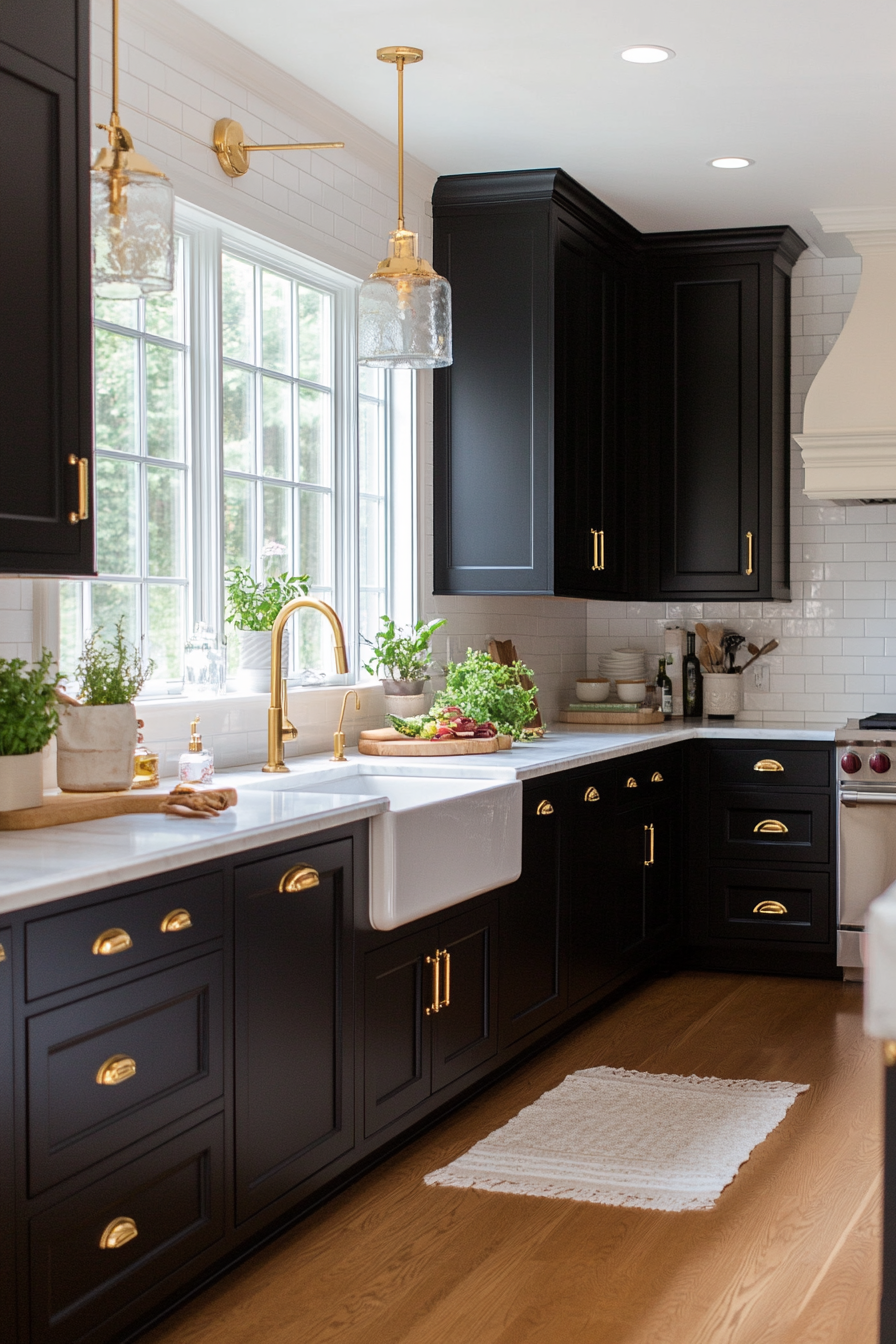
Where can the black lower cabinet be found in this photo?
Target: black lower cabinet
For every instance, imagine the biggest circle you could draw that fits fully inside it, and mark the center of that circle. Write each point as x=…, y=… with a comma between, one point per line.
x=429, y=1012
x=293, y=1093
x=589, y=875
x=533, y=920
x=7, y=1157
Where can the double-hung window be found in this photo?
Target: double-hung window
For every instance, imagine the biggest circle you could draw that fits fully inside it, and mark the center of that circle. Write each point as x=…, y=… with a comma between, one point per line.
x=233, y=428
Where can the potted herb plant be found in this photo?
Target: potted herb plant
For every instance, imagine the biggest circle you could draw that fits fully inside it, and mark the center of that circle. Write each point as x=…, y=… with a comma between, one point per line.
x=404, y=654
x=490, y=691
x=28, y=719
x=97, y=737
x=252, y=607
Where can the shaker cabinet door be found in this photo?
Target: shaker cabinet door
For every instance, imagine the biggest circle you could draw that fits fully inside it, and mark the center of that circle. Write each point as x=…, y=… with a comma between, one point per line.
x=465, y=1030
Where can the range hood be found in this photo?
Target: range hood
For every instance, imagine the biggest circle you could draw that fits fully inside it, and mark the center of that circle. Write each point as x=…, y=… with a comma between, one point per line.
x=849, y=423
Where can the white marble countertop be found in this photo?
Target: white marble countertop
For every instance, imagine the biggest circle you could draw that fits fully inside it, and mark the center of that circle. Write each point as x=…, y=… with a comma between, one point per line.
x=45, y=865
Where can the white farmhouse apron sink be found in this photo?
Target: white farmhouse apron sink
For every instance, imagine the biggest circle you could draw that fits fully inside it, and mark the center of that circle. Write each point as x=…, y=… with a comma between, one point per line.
x=442, y=840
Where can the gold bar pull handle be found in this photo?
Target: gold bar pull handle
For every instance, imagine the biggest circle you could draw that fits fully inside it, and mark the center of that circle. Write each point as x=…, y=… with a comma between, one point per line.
x=81, y=464
x=446, y=986
x=649, y=840
x=890, y=1053
x=770, y=827
x=110, y=942
x=117, y=1069
x=299, y=879
x=597, y=562
x=749, y=569
x=436, y=1004
x=118, y=1233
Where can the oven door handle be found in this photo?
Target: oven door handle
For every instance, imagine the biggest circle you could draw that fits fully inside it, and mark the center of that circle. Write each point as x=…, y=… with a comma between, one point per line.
x=851, y=797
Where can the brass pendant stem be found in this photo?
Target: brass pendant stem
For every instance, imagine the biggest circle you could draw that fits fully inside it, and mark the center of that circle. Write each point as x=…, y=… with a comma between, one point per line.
x=114, y=62
x=400, y=65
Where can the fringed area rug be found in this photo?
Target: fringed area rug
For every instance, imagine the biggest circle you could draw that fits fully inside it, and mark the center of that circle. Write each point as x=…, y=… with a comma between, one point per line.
x=636, y=1140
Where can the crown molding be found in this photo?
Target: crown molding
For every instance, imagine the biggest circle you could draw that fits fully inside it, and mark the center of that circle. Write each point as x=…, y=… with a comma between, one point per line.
x=858, y=219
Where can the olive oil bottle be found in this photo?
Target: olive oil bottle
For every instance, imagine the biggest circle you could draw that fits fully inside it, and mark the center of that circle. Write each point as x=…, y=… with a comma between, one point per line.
x=664, y=690
x=692, y=680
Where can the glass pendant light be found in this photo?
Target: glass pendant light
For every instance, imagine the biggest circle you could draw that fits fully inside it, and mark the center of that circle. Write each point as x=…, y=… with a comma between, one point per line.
x=132, y=209
x=404, y=308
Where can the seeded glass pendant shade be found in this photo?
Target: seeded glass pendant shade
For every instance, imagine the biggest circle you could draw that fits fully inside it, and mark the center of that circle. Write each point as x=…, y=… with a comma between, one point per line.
x=132, y=212
x=404, y=307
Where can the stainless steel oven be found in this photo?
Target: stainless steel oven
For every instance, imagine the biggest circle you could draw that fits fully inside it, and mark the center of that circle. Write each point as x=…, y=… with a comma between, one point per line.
x=866, y=769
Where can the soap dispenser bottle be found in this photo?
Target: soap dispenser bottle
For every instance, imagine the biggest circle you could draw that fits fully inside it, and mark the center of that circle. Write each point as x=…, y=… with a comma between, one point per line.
x=197, y=764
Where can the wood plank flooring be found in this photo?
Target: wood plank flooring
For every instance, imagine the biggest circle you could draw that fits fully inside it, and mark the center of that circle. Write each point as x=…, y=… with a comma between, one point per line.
x=789, y=1255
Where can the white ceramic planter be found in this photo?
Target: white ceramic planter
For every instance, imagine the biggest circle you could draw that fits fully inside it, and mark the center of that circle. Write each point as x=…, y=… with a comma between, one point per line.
x=254, y=671
x=95, y=748
x=21, y=781
x=405, y=706
x=723, y=694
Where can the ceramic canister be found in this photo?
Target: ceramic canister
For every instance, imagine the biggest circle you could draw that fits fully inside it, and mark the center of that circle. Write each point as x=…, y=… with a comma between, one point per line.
x=722, y=694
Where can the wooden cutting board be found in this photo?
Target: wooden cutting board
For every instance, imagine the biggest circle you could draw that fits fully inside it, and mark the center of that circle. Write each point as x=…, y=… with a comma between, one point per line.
x=637, y=717
x=59, y=809
x=389, y=742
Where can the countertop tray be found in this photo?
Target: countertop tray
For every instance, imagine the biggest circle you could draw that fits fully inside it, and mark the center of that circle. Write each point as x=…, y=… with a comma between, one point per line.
x=625, y=718
x=389, y=742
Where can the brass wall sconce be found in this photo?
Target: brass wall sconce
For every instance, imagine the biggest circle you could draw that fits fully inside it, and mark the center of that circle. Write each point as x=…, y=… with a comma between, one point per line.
x=233, y=153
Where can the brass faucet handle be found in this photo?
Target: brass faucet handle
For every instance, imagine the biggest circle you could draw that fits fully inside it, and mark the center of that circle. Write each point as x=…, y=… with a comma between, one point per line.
x=289, y=732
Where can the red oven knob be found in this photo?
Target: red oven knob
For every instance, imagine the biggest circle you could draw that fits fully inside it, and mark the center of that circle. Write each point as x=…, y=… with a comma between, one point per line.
x=851, y=764
x=879, y=762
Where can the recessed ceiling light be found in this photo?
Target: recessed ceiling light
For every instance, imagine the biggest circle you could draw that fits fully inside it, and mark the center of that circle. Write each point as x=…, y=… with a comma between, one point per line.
x=647, y=55
x=731, y=163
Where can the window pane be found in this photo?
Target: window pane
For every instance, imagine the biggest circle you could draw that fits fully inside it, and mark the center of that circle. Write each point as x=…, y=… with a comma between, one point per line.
x=370, y=610
x=164, y=402
x=112, y=600
x=371, y=540
x=276, y=322
x=277, y=417
x=239, y=529
x=276, y=548
x=120, y=312
x=238, y=308
x=314, y=336
x=117, y=494
x=314, y=641
x=314, y=437
x=166, y=630
x=370, y=382
x=371, y=446
x=116, y=389
x=314, y=536
x=165, y=503
x=71, y=636
x=163, y=313
x=239, y=438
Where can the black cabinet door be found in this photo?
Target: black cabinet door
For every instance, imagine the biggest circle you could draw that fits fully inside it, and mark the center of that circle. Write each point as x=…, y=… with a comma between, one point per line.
x=588, y=869
x=465, y=1030
x=533, y=922
x=661, y=875
x=294, y=1111
x=398, y=989
x=7, y=1186
x=45, y=390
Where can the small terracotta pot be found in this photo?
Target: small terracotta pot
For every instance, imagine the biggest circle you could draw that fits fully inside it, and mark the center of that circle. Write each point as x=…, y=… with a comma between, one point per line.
x=21, y=781
x=95, y=748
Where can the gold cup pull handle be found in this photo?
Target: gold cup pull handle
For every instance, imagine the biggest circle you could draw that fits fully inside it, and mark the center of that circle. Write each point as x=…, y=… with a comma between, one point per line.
x=768, y=766
x=544, y=809
x=2, y=952
x=176, y=921
x=300, y=879
x=592, y=795
x=117, y=1069
x=770, y=827
x=631, y=782
x=749, y=569
x=111, y=942
x=118, y=1233
x=769, y=908
x=436, y=1004
x=656, y=778
x=81, y=464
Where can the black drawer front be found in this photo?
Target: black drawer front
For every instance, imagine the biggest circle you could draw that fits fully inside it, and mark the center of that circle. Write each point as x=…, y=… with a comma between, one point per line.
x=175, y=1197
x=788, y=828
x=169, y=1025
x=768, y=765
x=59, y=949
x=770, y=907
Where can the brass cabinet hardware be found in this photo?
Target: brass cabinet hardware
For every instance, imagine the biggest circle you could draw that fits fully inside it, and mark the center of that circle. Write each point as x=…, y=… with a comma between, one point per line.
x=118, y=1233
x=649, y=839
x=592, y=795
x=544, y=809
x=631, y=782
x=446, y=988
x=656, y=778
x=2, y=952
x=890, y=1053
x=175, y=921
x=749, y=569
x=110, y=942
x=770, y=827
x=299, y=879
x=769, y=908
x=597, y=562
x=769, y=766
x=435, y=962
x=117, y=1069
x=81, y=464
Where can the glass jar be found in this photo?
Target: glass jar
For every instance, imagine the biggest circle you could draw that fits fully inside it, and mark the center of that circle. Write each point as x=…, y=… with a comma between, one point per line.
x=204, y=663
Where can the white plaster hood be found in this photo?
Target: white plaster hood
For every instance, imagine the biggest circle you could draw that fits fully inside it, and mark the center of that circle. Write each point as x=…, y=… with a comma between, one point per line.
x=849, y=423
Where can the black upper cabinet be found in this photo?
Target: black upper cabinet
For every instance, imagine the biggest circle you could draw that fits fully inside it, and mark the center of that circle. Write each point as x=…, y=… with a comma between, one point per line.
x=529, y=420
x=45, y=392
x=716, y=323
x=615, y=423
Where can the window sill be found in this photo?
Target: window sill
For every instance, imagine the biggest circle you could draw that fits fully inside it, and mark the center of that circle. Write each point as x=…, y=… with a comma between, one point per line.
x=234, y=698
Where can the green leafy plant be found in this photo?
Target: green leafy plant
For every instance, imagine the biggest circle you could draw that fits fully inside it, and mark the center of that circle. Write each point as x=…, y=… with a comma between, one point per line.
x=486, y=690
x=253, y=604
x=110, y=672
x=403, y=654
x=28, y=712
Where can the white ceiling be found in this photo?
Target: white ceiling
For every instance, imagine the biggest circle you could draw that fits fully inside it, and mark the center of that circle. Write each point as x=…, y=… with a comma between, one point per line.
x=806, y=88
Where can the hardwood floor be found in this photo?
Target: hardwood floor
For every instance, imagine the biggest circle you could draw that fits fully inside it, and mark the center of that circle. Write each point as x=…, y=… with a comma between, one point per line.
x=789, y=1255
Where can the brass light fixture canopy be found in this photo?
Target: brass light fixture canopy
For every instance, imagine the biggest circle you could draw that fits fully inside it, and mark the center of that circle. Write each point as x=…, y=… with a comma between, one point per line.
x=132, y=211
x=404, y=307
x=233, y=153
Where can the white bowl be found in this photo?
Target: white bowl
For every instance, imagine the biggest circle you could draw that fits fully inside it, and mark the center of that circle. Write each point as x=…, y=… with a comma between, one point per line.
x=592, y=689
x=631, y=692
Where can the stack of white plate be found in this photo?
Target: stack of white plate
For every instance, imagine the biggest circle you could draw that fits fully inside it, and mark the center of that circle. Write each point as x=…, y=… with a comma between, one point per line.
x=623, y=664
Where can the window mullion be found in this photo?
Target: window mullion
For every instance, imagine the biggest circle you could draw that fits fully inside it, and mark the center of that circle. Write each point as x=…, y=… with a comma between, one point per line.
x=205, y=556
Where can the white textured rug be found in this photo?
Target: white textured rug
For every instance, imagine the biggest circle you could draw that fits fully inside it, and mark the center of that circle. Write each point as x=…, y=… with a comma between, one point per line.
x=637, y=1140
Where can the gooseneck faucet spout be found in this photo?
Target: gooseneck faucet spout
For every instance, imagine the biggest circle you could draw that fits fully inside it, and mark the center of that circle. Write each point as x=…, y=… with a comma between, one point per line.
x=275, y=763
